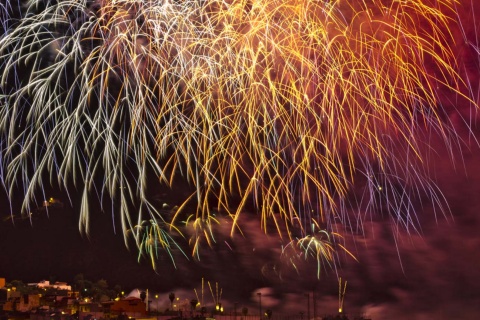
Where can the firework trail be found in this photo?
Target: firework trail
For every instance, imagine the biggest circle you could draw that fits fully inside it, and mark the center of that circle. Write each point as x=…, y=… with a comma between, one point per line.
x=300, y=111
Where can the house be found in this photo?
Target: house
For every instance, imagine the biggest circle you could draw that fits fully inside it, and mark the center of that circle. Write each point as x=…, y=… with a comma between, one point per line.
x=88, y=310
x=45, y=284
x=3, y=298
x=27, y=302
x=67, y=305
x=18, y=302
x=131, y=307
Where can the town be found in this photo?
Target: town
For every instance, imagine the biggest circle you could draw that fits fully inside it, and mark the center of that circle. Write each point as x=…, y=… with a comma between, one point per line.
x=87, y=300
x=58, y=301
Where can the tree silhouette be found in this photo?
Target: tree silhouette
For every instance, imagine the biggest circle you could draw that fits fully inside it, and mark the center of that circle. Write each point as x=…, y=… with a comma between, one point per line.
x=171, y=296
x=193, y=304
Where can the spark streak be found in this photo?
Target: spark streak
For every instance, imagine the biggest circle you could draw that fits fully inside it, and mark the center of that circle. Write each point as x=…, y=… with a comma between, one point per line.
x=303, y=110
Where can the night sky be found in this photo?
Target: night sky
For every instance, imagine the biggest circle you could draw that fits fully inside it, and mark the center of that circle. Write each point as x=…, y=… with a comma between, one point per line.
x=429, y=273
x=434, y=274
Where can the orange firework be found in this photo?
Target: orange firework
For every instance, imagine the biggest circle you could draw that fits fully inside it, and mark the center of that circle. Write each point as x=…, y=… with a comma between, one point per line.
x=288, y=108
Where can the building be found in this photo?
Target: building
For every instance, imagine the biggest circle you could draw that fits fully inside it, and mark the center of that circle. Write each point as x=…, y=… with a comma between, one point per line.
x=18, y=302
x=132, y=307
x=45, y=284
x=28, y=302
x=3, y=298
x=88, y=310
x=68, y=305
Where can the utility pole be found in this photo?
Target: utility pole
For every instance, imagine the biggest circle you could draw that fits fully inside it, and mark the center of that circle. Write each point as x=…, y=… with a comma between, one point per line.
x=314, y=305
x=259, y=294
x=308, y=305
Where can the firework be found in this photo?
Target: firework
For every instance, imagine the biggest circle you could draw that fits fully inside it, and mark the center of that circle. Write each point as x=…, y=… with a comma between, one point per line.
x=300, y=111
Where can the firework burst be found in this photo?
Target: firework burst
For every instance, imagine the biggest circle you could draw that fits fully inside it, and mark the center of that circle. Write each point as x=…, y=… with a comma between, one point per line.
x=300, y=111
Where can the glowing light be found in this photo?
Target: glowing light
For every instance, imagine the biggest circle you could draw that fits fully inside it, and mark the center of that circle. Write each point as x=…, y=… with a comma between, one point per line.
x=300, y=107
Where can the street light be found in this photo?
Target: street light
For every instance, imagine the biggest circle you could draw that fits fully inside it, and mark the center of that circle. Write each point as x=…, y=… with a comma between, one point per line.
x=156, y=302
x=219, y=308
x=259, y=294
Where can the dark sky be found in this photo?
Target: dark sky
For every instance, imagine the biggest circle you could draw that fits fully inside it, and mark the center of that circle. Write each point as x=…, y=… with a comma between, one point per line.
x=434, y=274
